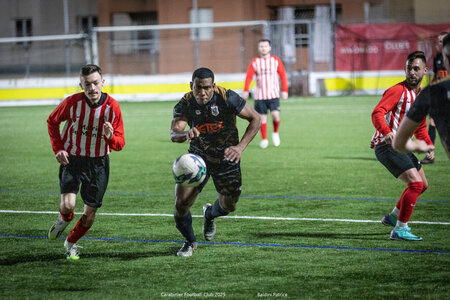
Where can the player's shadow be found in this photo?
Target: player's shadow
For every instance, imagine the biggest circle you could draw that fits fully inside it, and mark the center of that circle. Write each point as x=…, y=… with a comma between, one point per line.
x=45, y=257
x=350, y=158
x=324, y=235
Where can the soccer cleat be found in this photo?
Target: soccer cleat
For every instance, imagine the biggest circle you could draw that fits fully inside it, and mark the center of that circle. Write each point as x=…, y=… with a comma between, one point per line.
x=276, y=139
x=389, y=220
x=187, y=249
x=209, y=227
x=404, y=234
x=264, y=144
x=72, y=250
x=57, y=228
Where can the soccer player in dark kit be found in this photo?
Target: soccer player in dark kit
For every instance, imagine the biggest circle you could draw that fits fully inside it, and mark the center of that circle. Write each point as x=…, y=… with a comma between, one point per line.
x=93, y=126
x=210, y=111
x=435, y=101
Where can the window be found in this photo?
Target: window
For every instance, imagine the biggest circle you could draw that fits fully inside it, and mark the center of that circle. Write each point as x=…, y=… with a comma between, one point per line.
x=301, y=30
x=205, y=15
x=86, y=23
x=137, y=41
x=23, y=28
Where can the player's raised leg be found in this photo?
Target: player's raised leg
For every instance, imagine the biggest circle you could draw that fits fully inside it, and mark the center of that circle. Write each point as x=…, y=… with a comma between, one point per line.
x=66, y=208
x=222, y=207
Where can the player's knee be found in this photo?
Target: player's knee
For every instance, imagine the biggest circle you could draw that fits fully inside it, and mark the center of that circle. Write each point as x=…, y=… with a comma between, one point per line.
x=67, y=207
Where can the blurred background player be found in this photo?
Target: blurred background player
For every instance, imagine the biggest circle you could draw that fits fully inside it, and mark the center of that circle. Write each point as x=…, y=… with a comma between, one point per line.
x=210, y=111
x=435, y=101
x=439, y=71
x=386, y=117
x=93, y=126
x=267, y=68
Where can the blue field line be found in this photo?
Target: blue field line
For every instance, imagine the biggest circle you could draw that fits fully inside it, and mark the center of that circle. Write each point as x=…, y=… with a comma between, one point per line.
x=242, y=196
x=243, y=244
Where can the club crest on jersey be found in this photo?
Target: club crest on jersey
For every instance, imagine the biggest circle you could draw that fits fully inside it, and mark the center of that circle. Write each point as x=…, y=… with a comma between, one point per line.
x=214, y=110
x=197, y=112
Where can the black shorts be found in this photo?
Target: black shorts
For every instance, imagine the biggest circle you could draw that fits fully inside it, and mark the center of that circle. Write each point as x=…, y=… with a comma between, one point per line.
x=226, y=176
x=261, y=106
x=394, y=161
x=91, y=172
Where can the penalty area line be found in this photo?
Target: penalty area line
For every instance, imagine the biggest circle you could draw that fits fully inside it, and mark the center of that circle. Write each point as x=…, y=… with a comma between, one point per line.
x=244, y=244
x=224, y=217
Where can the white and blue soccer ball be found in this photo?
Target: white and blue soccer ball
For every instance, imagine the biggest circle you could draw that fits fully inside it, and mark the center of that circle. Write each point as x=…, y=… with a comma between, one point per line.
x=189, y=170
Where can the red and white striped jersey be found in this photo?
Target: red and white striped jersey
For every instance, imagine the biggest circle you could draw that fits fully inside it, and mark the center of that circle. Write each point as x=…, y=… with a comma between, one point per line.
x=266, y=71
x=82, y=134
x=391, y=109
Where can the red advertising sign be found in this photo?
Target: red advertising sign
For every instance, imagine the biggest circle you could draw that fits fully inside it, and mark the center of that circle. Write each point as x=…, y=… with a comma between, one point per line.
x=370, y=47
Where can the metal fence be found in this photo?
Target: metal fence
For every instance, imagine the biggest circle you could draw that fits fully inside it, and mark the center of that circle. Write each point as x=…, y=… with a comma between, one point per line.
x=158, y=49
x=56, y=55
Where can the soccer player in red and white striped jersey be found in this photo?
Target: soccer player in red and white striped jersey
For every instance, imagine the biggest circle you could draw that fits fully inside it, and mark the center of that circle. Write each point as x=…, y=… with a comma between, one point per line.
x=93, y=126
x=267, y=69
x=386, y=117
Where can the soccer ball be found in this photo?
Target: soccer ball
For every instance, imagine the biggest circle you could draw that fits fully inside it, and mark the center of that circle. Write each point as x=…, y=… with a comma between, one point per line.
x=189, y=170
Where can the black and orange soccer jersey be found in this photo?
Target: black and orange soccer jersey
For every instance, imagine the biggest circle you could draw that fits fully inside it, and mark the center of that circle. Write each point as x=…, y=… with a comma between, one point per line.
x=435, y=101
x=216, y=121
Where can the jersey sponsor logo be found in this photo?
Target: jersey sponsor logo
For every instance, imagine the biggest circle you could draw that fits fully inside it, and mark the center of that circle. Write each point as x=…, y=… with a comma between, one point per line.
x=214, y=110
x=210, y=127
x=197, y=112
x=87, y=130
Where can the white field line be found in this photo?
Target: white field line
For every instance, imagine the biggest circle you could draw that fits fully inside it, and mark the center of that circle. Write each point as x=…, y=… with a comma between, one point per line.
x=225, y=217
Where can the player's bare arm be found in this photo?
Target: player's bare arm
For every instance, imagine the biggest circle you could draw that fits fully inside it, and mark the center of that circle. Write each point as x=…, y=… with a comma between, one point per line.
x=234, y=153
x=178, y=133
x=402, y=141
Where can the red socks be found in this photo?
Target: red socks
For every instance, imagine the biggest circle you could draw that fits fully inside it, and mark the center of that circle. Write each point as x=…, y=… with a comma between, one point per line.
x=408, y=200
x=78, y=232
x=263, y=130
x=276, y=125
x=67, y=217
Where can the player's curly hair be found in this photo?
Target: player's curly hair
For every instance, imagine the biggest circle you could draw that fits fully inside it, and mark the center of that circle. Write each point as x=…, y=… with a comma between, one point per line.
x=202, y=73
x=89, y=69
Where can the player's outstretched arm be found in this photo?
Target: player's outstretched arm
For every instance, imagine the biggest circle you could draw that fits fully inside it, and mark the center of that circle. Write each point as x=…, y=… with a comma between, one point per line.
x=402, y=140
x=248, y=113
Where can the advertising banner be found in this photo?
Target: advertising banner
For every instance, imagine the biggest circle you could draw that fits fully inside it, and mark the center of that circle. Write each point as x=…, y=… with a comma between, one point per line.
x=370, y=47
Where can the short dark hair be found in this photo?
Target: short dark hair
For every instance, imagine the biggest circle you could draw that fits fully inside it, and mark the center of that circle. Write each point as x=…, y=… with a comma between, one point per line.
x=89, y=69
x=446, y=40
x=265, y=40
x=202, y=73
x=417, y=54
